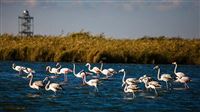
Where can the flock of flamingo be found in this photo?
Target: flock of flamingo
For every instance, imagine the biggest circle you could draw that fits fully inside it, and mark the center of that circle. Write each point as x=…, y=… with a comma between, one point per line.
x=129, y=85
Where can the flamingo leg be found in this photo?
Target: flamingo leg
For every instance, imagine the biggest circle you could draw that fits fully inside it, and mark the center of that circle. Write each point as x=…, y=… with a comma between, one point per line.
x=107, y=77
x=156, y=92
x=134, y=95
x=123, y=84
x=170, y=84
x=98, y=76
x=96, y=89
x=83, y=81
x=65, y=78
x=20, y=72
x=55, y=93
x=167, y=85
x=186, y=86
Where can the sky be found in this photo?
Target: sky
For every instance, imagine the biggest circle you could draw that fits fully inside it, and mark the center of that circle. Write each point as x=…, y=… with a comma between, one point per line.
x=113, y=18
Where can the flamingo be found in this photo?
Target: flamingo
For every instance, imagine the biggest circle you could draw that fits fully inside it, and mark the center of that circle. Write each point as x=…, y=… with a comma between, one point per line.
x=107, y=72
x=152, y=84
x=17, y=68
x=36, y=84
x=145, y=77
x=80, y=74
x=64, y=71
x=95, y=70
x=53, y=70
x=28, y=70
x=53, y=87
x=91, y=82
x=183, y=80
x=131, y=89
x=112, y=70
x=178, y=74
x=164, y=77
x=128, y=81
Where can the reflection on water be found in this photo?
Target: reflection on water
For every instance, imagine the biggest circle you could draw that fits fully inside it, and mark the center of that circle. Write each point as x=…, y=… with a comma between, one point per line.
x=16, y=95
x=33, y=95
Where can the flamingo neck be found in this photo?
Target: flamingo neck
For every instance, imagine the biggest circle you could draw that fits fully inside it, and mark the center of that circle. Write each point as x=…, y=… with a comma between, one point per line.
x=74, y=70
x=158, y=74
x=89, y=67
x=59, y=67
x=84, y=79
x=46, y=87
x=49, y=69
x=46, y=78
x=123, y=79
x=175, y=68
x=145, y=84
x=30, y=82
x=125, y=88
x=13, y=66
x=101, y=67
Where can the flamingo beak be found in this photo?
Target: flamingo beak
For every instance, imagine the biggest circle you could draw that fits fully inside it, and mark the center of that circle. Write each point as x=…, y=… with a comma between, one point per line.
x=70, y=70
x=155, y=67
x=57, y=64
x=88, y=73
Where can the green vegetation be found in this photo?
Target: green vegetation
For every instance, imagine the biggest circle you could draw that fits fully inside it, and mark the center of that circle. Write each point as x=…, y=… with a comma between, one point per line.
x=85, y=47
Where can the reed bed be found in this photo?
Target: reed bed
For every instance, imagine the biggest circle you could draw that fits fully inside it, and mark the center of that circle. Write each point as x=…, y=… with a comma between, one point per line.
x=85, y=47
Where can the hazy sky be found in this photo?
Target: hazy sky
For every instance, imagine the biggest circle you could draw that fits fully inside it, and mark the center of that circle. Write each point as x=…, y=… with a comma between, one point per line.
x=115, y=18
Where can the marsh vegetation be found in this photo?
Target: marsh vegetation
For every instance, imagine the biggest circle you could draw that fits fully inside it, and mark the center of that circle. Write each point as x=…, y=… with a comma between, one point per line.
x=86, y=47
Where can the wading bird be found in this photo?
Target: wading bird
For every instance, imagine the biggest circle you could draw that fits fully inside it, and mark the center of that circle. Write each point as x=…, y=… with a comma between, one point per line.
x=91, y=82
x=131, y=89
x=53, y=70
x=80, y=74
x=28, y=70
x=152, y=85
x=53, y=87
x=64, y=71
x=107, y=72
x=95, y=70
x=183, y=80
x=17, y=68
x=128, y=81
x=36, y=84
x=164, y=77
x=178, y=74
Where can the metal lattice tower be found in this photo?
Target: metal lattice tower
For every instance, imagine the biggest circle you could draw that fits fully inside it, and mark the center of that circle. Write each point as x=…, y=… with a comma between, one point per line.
x=25, y=24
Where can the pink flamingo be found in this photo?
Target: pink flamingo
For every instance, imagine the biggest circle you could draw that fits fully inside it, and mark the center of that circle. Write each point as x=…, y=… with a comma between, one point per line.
x=95, y=70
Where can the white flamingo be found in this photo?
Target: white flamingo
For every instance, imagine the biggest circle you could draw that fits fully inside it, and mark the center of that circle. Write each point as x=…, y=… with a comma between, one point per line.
x=141, y=79
x=107, y=72
x=164, y=77
x=17, y=68
x=95, y=70
x=80, y=74
x=53, y=70
x=178, y=74
x=112, y=70
x=128, y=81
x=131, y=89
x=36, y=84
x=152, y=85
x=28, y=70
x=64, y=71
x=53, y=87
x=183, y=80
x=91, y=82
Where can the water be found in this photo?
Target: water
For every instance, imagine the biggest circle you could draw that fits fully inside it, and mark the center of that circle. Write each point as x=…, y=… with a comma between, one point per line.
x=16, y=95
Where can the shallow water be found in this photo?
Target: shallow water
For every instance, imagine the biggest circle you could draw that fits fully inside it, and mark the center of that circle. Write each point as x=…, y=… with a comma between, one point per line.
x=16, y=95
